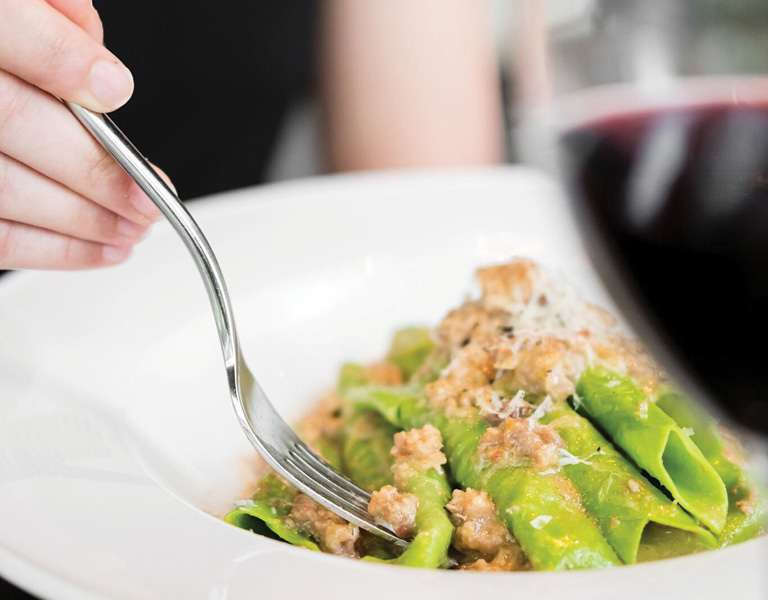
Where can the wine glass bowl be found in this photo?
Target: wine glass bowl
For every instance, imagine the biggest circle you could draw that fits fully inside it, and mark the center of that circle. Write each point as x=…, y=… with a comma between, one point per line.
x=654, y=115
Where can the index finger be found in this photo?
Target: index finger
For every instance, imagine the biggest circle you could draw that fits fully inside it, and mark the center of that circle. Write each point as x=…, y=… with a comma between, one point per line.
x=42, y=46
x=83, y=14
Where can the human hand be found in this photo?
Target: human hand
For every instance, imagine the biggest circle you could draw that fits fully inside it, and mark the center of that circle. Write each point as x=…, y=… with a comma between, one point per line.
x=64, y=202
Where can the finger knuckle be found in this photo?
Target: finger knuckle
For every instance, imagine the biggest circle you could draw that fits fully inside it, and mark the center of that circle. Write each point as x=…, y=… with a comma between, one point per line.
x=102, y=172
x=10, y=183
x=6, y=241
x=56, y=47
x=83, y=10
x=14, y=99
x=80, y=218
x=92, y=15
x=93, y=222
x=95, y=26
x=4, y=179
x=107, y=227
x=76, y=253
x=68, y=253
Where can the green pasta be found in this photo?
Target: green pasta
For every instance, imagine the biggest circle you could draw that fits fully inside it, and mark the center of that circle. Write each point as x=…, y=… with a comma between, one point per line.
x=621, y=500
x=748, y=506
x=582, y=468
x=745, y=522
x=331, y=451
x=350, y=375
x=410, y=348
x=429, y=548
x=366, y=438
x=552, y=531
x=267, y=511
x=706, y=434
x=366, y=445
x=667, y=542
x=656, y=443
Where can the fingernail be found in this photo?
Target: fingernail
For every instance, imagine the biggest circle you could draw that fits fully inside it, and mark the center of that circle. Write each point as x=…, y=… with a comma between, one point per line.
x=143, y=204
x=130, y=229
x=111, y=83
x=115, y=254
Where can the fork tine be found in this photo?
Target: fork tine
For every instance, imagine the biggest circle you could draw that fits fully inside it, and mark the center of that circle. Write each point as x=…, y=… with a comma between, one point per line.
x=340, y=490
x=331, y=500
x=294, y=443
x=325, y=469
x=361, y=519
x=329, y=491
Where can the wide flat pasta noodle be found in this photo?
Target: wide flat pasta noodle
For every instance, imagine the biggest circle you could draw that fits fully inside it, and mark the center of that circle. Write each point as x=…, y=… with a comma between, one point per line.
x=655, y=443
x=614, y=492
x=269, y=508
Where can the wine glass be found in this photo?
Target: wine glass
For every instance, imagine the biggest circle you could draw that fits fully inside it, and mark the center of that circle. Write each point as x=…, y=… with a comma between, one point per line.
x=654, y=115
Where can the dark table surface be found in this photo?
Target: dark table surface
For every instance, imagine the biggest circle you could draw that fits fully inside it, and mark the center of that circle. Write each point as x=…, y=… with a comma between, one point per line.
x=9, y=591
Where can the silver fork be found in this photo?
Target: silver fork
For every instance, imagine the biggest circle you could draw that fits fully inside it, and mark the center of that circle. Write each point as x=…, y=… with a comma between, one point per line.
x=263, y=426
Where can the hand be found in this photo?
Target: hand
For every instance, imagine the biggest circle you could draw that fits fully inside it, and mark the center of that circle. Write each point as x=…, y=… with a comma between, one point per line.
x=64, y=202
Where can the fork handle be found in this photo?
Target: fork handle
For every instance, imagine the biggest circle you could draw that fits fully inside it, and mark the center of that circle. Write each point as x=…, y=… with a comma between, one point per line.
x=120, y=147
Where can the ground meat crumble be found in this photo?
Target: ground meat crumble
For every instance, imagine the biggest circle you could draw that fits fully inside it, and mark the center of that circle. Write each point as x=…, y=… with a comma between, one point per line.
x=479, y=530
x=416, y=450
x=497, y=408
x=519, y=442
x=384, y=373
x=510, y=557
x=528, y=331
x=481, y=535
x=333, y=534
x=546, y=365
x=747, y=505
x=396, y=509
x=323, y=422
x=509, y=285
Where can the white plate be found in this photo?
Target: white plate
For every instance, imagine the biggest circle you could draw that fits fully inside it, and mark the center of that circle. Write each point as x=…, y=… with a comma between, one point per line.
x=116, y=434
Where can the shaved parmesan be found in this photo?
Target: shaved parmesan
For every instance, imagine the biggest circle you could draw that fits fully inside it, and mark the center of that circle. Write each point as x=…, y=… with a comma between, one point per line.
x=642, y=410
x=502, y=408
x=540, y=521
x=576, y=400
x=542, y=409
x=566, y=458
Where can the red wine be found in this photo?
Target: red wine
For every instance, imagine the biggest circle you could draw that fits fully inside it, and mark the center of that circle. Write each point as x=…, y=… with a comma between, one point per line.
x=674, y=201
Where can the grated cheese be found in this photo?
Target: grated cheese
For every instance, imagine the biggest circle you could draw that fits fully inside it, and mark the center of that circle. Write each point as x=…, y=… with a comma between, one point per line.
x=540, y=521
x=542, y=409
x=642, y=410
x=576, y=400
x=566, y=458
x=504, y=407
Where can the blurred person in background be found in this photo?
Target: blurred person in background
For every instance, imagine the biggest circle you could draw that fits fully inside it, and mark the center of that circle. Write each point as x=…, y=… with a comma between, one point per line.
x=403, y=83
